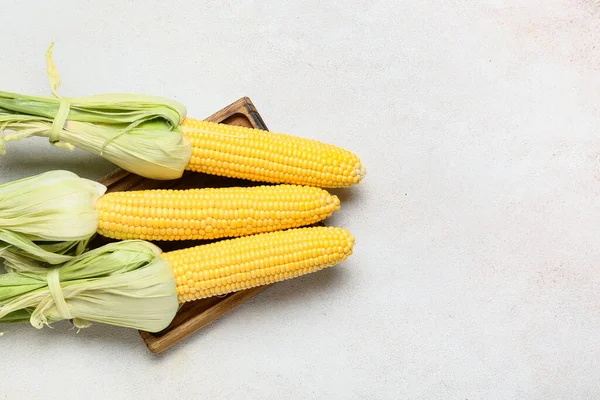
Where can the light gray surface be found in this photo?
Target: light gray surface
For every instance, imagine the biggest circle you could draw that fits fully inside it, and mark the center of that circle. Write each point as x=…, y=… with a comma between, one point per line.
x=476, y=269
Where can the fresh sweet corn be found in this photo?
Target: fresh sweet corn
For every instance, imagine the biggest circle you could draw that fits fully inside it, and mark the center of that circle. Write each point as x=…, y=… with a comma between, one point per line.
x=242, y=263
x=258, y=155
x=152, y=137
x=132, y=283
x=211, y=213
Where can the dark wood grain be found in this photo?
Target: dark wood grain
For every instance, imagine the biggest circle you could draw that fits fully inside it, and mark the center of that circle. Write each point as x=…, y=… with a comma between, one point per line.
x=197, y=314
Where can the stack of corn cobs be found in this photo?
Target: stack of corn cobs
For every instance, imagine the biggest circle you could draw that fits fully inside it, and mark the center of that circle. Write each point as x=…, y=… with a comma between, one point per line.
x=266, y=232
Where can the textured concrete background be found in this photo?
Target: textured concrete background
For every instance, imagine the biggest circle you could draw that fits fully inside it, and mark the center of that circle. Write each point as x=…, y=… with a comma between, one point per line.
x=476, y=273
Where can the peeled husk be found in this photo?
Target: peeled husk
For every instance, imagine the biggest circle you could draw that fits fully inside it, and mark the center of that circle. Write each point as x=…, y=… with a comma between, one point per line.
x=139, y=133
x=49, y=217
x=124, y=283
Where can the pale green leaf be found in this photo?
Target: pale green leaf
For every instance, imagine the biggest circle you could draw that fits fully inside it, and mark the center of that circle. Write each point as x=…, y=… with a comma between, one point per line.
x=139, y=133
x=50, y=216
x=125, y=283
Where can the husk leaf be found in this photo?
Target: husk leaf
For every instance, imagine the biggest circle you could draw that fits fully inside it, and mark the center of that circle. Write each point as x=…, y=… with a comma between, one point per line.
x=50, y=216
x=139, y=133
x=124, y=283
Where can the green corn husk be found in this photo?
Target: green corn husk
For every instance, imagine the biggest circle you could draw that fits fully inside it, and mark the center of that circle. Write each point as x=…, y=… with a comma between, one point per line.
x=49, y=217
x=136, y=132
x=124, y=283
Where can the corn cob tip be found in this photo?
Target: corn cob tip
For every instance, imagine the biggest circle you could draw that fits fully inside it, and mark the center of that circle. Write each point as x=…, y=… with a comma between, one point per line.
x=360, y=173
x=336, y=202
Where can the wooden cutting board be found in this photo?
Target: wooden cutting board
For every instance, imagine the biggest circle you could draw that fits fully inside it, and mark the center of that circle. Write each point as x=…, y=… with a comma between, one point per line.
x=194, y=315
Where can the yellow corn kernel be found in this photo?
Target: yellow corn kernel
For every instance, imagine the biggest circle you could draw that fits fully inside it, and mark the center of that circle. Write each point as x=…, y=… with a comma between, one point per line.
x=236, y=264
x=257, y=155
x=211, y=213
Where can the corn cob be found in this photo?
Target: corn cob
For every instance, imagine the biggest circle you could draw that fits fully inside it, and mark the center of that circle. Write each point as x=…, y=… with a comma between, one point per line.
x=257, y=155
x=211, y=213
x=132, y=283
x=151, y=137
x=236, y=264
